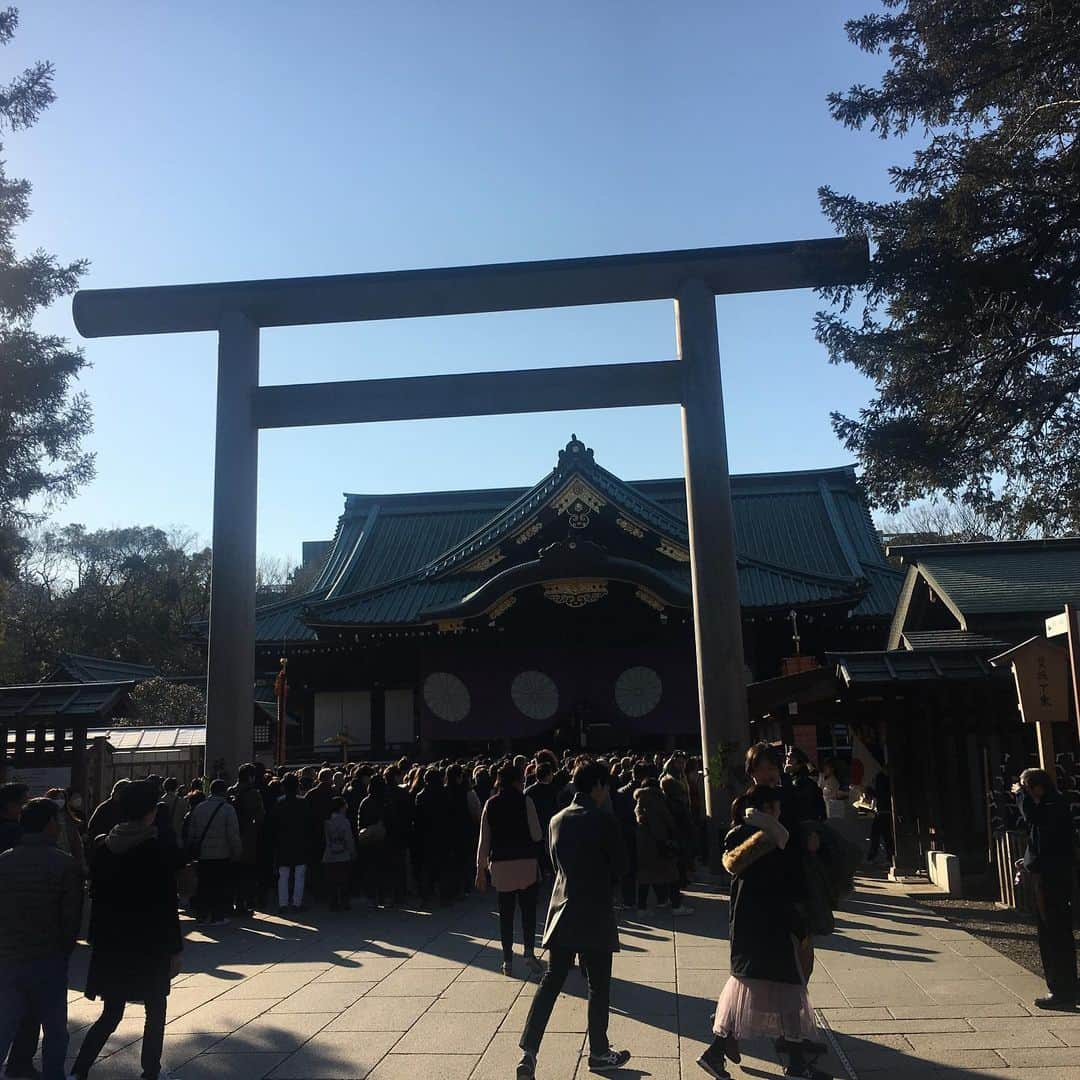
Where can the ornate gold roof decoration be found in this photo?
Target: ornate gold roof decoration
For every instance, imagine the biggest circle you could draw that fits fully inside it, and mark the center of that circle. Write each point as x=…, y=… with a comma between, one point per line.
x=577, y=491
x=502, y=607
x=630, y=527
x=450, y=626
x=575, y=594
x=528, y=532
x=673, y=551
x=650, y=599
x=485, y=562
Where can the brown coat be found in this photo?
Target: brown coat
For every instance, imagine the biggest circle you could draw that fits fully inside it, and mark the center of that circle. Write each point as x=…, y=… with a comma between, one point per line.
x=657, y=838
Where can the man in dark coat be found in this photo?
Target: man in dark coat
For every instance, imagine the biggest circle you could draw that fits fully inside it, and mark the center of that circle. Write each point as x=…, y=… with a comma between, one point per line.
x=41, y=895
x=588, y=855
x=1050, y=859
x=134, y=929
x=107, y=814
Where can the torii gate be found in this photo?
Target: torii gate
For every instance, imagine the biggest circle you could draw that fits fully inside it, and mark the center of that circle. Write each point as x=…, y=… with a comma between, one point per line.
x=238, y=310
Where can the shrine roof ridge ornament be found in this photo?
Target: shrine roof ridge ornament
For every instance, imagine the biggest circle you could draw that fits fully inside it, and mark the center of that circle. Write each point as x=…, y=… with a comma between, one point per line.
x=522, y=286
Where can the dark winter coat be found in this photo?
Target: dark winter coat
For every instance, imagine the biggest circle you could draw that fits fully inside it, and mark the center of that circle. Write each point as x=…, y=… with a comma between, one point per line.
x=677, y=795
x=805, y=799
x=765, y=923
x=432, y=826
x=250, y=814
x=134, y=925
x=41, y=896
x=543, y=797
x=658, y=842
x=588, y=856
x=1051, y=839
x=290, y=831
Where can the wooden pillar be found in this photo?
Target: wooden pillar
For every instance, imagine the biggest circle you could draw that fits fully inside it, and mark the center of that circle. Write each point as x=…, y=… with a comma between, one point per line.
x=908, y=857
x=721, y=668
x=231, y=674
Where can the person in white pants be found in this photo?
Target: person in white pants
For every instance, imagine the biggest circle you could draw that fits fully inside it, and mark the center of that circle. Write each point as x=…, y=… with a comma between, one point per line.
x=290, y=829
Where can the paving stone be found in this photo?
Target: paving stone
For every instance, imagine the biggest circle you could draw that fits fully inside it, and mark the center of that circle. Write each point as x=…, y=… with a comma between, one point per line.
x=1047, y=1020
x=972, y=946
x=361, y=969
x=477, y=998
x=322, y=997
x=444, y=1033
x=659, y=999
x=270, y=984
x=967, y=991
x=231, y=1066
x=559, y=1055
x=413, y=983
x=982, y=1040
x=1027, y=1057
x=219, y=1015
x=702, y=958
x=176, y=1051
x=638, y=1067
x=645, y=970
x=336, y=1055
x=425, y=1067
x=653, y=1037
x=568, y=1015
x=898, y=1027
x=925, y=1012
x=869, y=1012
x=273, y=1033
x=382, y=1014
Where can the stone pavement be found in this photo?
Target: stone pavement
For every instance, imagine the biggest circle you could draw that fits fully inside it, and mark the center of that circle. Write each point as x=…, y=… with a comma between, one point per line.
x=395, y=995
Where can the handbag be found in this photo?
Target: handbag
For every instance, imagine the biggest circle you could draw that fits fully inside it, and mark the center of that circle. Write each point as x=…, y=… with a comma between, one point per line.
x=370, y=835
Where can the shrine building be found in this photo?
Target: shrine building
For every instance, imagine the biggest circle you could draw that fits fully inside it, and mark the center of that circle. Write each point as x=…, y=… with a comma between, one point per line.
x=559, y=614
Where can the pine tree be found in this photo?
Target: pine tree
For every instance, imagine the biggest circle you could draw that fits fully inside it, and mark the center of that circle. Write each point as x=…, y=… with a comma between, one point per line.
x=42, y=421
x=968, y=323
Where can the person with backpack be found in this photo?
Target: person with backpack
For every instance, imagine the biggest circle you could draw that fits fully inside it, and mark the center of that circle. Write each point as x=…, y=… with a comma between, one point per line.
x=214, y=835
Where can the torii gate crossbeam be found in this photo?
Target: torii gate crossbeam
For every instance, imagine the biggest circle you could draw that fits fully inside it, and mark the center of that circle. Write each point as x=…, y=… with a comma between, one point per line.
x=238, y=310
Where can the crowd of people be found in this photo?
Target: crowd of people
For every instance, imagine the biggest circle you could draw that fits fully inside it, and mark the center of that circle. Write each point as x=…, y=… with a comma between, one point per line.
x=611, y=834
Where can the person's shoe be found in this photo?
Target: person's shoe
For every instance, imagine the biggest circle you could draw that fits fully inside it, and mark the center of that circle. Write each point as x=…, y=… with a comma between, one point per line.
x=23, y=1072
x=508, y=967
x=1056, y=1003
x=535, y=966
x=681, y=910
x=608, y=1061
x=731, y=1049
x=663, y=903
x=712, y=1062
x=283, y=909
x=218, y=922
x=526, y=1069
x=807, y=1071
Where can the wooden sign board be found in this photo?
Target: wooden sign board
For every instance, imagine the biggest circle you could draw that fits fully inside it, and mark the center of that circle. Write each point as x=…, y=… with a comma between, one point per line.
x=1057, y=625
x=1042, y=681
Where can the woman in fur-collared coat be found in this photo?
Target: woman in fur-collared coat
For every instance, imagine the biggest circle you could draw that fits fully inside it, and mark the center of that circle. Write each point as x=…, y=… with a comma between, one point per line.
x=766, y=993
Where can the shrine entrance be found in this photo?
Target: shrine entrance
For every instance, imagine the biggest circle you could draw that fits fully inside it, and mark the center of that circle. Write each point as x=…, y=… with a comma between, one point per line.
x=237, y=311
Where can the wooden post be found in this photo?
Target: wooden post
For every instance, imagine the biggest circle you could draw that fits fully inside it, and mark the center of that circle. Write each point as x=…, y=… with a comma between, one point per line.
x=1074, y=670
x=1044, y=737
x=231, y=663
x=721, y=668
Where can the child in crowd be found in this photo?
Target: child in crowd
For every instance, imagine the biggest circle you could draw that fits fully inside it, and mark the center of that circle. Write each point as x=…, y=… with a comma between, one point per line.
x=765, y=996
x=339, y=854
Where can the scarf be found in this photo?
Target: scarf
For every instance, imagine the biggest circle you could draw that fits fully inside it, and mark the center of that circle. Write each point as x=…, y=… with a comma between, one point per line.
x=129, y=834
x=769, y=825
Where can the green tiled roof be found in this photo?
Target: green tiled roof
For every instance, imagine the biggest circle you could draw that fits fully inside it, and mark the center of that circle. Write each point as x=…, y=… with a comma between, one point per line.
x=1001, y=578
x=79, y=668
x=803, y=538
x=67, y=700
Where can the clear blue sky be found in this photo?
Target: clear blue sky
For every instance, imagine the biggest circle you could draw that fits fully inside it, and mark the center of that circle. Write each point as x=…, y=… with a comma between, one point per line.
x=213, y=141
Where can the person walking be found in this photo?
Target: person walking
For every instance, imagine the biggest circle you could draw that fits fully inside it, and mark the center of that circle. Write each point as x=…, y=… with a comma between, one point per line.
x=765, y=995
x=1050, y=860
x=588, y=857
x=510, y=837
x=134, y=935
x=289, y=830
x=41, y=898
x=107, y=813
x=339, y=854
x=175, y=805
x=658, y=850
x=881, y=831
x=214, y=833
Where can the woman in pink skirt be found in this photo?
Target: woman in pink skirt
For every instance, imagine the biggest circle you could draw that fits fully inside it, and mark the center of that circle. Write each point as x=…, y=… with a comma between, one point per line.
x=765, y=996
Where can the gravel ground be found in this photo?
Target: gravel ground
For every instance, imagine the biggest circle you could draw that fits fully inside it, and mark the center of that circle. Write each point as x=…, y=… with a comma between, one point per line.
x=1012, y=933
